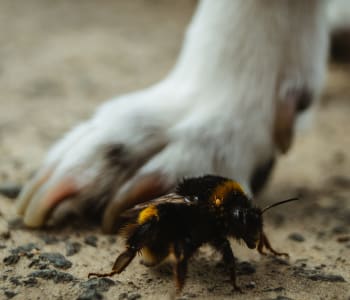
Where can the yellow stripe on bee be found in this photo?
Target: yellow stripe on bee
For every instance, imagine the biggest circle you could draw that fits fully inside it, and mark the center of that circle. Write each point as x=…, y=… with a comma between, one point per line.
x=147, y=213
x=221, y=191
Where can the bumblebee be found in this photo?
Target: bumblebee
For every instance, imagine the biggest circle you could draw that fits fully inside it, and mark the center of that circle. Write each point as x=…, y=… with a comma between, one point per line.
x=202, y=210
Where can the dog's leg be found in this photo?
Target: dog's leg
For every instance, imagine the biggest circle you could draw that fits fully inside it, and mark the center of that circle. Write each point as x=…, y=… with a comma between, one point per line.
x=246, y=69
x=339, y=22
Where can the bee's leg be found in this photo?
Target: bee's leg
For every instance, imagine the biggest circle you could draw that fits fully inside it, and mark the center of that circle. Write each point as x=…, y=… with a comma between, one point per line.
x=180, y=273
x=110, y=274
x=134, y=244
x=224, y=247
x=261, y=246
x=264, y=242
x=182, y=251
x=122, y=261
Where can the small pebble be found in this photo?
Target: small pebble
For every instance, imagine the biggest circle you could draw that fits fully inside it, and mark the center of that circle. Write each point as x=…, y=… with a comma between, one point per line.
x=49, y=239
x=54, y=275
x=3, y=277
x=10, y=190
x=11, y=259
x=39, y=264
x=27, y=250
x=56, y=259
x=340, y=229
x=123, y=296
x=126, y=296
x=16, y=223
x=91, y=240
x=282, y=298
x=280, y=261
x=343, y=239
x=315, y=275
x=134, y=296
x=5, y=235
x=277, y=289
x=327, y=277
x=245, y=268
x=16, y=280
x=9, y=294
x=251, y=285
x=72, y=248
x=112, y=239
x=90, y=295
x=341, y=181
x=188, y=295
x=297, y=237
x=30, y=282
x=303, y=265
x=101, y=284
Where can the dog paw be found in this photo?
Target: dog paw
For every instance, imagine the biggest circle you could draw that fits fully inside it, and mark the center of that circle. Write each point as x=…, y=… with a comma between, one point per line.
x=94, y=161
x=224, y=109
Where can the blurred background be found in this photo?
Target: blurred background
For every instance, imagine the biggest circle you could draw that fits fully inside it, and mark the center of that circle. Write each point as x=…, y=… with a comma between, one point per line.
x=60, y=59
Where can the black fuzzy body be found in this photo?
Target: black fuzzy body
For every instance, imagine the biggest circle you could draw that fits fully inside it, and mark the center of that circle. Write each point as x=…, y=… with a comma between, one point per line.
x=203, y=210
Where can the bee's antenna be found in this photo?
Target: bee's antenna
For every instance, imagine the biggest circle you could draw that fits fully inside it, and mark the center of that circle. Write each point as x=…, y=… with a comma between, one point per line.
x=278, y=203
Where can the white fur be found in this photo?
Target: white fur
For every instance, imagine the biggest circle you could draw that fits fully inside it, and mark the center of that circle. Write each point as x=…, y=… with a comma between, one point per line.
x=215, y=110
x=338, y=14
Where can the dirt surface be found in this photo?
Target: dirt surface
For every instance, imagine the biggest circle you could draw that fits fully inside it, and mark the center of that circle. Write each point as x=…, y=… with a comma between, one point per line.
x=58, y=61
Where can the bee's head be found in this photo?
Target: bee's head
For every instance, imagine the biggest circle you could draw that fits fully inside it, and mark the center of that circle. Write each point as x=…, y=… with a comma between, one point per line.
x=247, y=224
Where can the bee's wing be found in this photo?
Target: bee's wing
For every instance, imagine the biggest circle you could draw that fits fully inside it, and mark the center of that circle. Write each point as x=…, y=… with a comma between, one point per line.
x=169, y=198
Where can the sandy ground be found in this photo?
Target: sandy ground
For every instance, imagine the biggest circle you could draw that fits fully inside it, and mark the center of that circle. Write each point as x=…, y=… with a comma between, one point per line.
x=58, y=61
